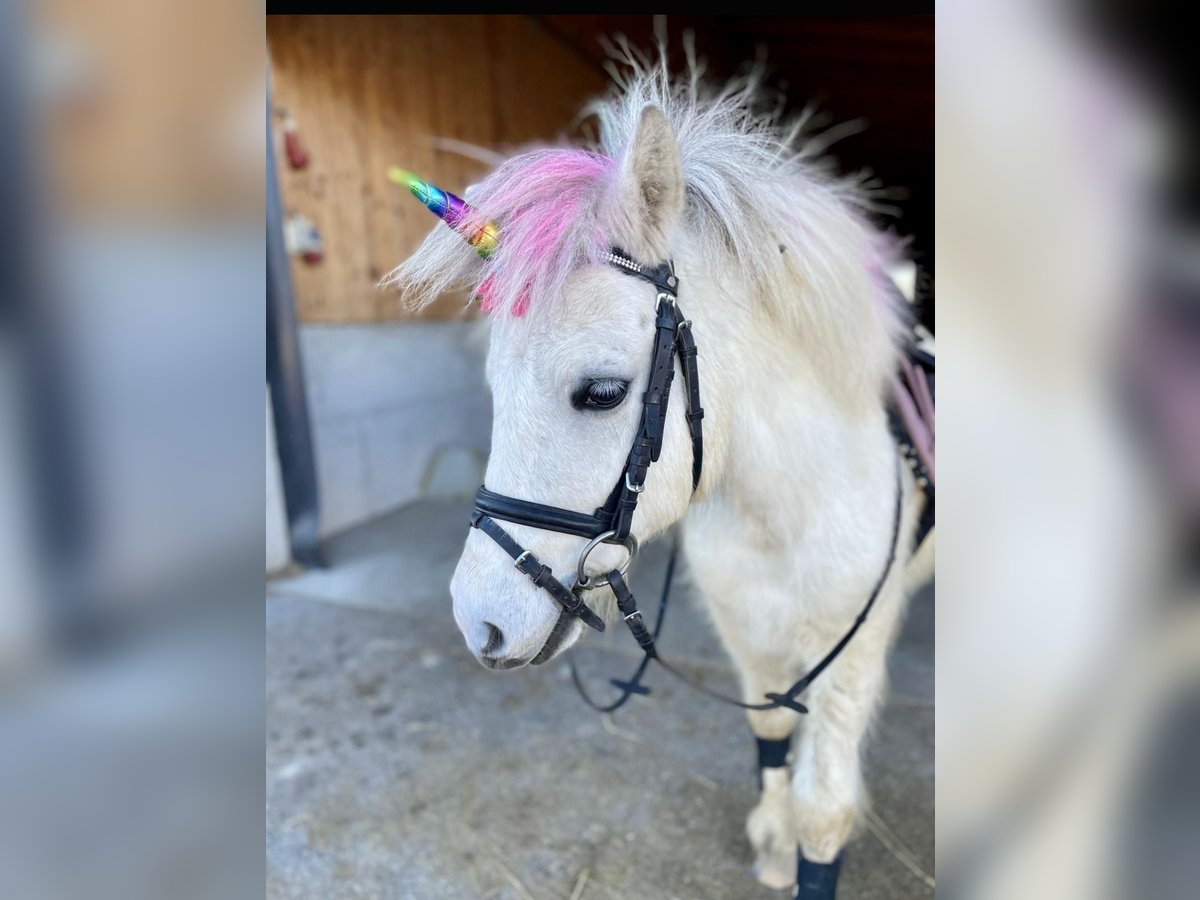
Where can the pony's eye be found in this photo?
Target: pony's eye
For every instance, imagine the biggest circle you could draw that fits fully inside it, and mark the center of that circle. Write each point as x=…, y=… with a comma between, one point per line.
x=600, y=393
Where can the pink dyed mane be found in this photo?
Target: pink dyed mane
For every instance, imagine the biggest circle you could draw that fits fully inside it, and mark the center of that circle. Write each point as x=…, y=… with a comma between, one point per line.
x=544, y=203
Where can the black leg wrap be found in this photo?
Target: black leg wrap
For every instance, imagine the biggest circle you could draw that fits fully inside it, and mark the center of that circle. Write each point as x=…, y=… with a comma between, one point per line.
x=816, y=881
x=772, y=754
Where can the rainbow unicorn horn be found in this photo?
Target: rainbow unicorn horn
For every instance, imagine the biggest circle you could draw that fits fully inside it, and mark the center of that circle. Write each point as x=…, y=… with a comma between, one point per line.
x=480, y=233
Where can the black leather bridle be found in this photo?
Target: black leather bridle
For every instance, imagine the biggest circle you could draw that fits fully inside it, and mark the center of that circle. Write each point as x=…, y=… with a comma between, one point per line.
x=612, y=522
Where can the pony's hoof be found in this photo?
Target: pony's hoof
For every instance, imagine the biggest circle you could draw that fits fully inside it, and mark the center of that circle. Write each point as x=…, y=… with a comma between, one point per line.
x=776, y=871
x=772, y=834
x=816, y=881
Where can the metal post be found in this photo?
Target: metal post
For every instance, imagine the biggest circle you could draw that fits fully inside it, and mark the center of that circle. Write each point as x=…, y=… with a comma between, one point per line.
x=285, y=375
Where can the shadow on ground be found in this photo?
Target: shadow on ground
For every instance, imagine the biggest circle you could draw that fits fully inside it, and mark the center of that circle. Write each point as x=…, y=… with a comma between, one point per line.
x=397, y=767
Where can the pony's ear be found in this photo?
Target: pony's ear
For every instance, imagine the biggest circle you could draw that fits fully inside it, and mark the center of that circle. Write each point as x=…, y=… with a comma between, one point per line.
x=649, y=192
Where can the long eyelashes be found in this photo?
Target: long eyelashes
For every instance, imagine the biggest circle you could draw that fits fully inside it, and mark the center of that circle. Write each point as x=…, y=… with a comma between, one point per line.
x=600, y=393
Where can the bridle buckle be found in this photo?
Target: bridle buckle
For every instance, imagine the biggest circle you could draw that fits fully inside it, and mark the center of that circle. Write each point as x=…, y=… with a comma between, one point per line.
x=635, y=488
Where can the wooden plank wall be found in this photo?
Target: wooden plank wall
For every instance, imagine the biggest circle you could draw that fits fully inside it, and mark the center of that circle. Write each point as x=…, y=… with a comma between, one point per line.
x=368, y=92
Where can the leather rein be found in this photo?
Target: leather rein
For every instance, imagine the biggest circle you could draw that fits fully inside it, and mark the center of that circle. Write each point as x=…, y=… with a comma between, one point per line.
x=612, y=522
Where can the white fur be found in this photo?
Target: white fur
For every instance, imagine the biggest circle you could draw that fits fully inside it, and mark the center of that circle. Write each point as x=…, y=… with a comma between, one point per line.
x=790, y=526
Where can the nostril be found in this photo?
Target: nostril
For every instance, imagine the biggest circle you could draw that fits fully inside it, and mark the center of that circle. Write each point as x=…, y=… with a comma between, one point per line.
x=495, y=637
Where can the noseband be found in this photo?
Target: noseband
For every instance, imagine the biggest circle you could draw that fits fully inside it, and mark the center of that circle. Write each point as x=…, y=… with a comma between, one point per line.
x=612, y=522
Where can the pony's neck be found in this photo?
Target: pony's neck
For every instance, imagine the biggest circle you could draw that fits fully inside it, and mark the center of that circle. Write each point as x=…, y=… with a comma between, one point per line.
x=793, y=366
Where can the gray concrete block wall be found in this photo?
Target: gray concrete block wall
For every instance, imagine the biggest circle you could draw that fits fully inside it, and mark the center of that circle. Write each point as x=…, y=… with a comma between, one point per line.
x=399, y=412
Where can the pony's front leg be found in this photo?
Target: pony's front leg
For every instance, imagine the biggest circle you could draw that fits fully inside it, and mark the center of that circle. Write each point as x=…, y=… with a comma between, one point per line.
x=771, y=826
x=827, y=784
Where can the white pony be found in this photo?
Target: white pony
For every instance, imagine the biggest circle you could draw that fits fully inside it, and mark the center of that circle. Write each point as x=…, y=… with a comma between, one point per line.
x=791, y=525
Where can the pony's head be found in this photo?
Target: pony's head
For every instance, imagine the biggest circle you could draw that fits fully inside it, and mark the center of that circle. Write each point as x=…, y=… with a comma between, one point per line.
x=675, y=174
x=568, y=362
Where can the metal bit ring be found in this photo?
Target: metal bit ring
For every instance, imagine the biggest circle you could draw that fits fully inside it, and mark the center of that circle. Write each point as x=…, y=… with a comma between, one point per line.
x=583, y=581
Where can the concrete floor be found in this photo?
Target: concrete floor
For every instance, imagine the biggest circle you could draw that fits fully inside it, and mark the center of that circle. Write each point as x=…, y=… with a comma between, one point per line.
x=397, y=767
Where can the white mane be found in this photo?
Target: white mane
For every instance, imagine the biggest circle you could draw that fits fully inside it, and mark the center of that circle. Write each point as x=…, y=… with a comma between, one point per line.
x=761, y=198
x=762, y=195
